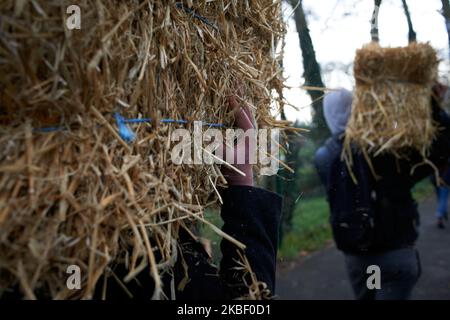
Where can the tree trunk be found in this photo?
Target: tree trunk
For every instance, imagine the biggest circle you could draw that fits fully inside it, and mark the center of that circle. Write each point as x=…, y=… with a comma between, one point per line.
x=287, y=185
x=446, y=13
x=374, y=21
x=311, y=73
x=411, y=33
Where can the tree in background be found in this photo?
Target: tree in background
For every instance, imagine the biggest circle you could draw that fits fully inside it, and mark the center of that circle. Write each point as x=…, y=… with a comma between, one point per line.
x=312, y=73
x=412, y=37
x=446, y=14
x=287, y=182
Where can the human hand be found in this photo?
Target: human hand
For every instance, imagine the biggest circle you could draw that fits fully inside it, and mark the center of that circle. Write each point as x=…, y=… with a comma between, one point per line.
x=439, y=91
x=243, y=120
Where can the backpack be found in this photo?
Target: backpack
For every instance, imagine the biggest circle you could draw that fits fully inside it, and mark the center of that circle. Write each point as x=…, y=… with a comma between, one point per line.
x=351, y=205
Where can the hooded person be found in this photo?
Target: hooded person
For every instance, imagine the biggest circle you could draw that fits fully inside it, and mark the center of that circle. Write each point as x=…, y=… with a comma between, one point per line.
x=337, y=106
x=394, y=214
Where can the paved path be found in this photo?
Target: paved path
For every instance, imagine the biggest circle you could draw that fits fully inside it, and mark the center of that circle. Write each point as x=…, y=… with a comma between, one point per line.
x=322, y=275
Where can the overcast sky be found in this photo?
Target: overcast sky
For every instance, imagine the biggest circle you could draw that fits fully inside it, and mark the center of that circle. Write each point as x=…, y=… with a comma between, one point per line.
x=339, y=27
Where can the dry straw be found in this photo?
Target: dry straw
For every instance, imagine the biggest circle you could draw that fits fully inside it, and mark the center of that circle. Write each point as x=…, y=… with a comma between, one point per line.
x=391, y=111
x=82, y=195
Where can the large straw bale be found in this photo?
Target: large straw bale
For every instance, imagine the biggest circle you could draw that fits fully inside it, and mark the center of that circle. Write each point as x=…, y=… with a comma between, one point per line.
x=82, y=195
x=391, y=111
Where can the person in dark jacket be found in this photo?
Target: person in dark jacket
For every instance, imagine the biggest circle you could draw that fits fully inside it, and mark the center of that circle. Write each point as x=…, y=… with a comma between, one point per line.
x=396, y=214
x=443, y=186
x=251, y=215
x=442, y=195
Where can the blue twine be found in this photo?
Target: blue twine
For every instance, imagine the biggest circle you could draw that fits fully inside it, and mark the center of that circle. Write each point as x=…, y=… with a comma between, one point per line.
x=125, y=131
x=143, y=120
x=128, y=135
x=50, y=129
x=195, y=15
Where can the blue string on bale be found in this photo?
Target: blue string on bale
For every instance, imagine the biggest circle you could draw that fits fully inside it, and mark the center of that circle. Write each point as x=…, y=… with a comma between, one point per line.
x=125, y=132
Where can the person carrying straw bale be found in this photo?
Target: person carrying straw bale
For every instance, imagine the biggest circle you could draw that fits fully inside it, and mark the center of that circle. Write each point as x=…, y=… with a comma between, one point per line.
x=251, y=215
x=92, y=95
x=374, y=218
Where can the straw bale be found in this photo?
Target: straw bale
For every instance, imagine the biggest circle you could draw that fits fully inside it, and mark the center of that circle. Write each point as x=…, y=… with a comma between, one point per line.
x=82, y=195
x=391, y=111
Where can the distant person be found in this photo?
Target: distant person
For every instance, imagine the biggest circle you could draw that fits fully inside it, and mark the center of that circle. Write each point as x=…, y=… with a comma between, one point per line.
x=442, y=194
x=442, y=188
x=442, y=94
x=375, y=222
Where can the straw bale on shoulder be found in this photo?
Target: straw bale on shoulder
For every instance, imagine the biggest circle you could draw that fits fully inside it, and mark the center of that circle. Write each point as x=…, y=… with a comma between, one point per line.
x=391, y=111
x=80, y=194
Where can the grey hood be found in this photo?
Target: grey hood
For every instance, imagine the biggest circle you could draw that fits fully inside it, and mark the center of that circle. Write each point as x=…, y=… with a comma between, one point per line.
x=337, y=106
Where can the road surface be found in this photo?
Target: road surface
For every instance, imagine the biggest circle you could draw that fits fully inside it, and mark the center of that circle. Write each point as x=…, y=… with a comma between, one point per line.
x=322, y=276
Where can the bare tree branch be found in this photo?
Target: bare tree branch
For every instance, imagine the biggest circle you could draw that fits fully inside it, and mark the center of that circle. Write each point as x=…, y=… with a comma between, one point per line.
x=412, y=37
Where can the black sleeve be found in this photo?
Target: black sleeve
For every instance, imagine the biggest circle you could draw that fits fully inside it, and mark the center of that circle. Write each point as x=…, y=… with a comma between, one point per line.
x=251, y=216
x=196, y=277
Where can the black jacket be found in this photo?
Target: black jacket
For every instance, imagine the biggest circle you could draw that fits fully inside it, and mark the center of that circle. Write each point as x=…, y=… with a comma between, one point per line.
x=252, y=216
x=396, y=214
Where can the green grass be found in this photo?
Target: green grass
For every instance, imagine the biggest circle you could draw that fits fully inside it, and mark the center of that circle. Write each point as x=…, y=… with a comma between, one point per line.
x=310, y=228
x=206, y=232
x=423, y=190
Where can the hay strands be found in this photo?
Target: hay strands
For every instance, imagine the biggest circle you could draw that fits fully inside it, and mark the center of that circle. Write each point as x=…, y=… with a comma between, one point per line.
x=80, y=193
